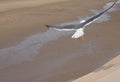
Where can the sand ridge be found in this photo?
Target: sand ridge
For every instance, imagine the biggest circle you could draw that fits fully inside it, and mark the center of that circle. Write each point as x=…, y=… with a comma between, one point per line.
x=109, y=72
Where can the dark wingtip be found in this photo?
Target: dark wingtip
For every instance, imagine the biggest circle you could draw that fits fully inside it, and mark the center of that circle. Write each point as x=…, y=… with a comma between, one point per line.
x=48, y=26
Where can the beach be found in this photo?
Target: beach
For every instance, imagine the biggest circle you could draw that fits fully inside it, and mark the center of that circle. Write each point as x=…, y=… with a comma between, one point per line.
x=109, y=72
x=30, y=52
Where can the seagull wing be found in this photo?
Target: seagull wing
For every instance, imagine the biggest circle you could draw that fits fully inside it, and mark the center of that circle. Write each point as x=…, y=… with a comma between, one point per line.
x=63, y=27
x=93, y=18
x=82, y=24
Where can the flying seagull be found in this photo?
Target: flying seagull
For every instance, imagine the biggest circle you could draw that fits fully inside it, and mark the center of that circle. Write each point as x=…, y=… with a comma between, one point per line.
x=79, y=28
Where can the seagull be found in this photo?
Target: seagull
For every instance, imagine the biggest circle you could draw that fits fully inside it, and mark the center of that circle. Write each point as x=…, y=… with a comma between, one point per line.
x=79, y=28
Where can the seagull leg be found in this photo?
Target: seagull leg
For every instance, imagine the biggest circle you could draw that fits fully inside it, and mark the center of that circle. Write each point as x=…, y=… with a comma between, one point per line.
x=82, y=38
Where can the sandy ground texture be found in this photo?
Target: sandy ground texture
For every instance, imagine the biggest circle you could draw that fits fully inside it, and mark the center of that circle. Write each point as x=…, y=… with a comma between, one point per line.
x=6, y=5
x=29, y=52
x=109, y=72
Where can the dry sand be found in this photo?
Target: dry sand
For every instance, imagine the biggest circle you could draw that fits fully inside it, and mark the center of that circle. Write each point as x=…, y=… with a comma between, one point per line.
x=109, y=72
x=31, y=53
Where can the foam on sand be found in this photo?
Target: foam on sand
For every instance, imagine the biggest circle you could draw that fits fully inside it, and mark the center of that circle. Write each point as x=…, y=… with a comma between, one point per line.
x=28, y=48
x=110, y=71
x=105, y=17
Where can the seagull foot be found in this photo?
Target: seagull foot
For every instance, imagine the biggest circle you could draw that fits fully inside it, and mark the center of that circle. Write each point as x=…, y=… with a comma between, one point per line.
x=82, y=38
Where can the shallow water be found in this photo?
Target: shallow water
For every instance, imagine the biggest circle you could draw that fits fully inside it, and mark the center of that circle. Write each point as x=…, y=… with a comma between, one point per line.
x=58, y=56
x=27, y=49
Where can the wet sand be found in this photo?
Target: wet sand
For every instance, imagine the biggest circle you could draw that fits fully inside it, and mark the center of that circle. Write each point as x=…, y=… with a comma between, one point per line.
x=6, y=5
x=29, y=52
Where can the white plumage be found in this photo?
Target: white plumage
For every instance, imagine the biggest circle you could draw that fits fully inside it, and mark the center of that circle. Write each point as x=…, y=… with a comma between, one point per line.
x=78, y=33
x=79, y=28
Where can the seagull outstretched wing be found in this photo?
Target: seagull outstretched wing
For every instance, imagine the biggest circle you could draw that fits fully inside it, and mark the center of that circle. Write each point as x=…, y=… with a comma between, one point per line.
x=79, y=27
